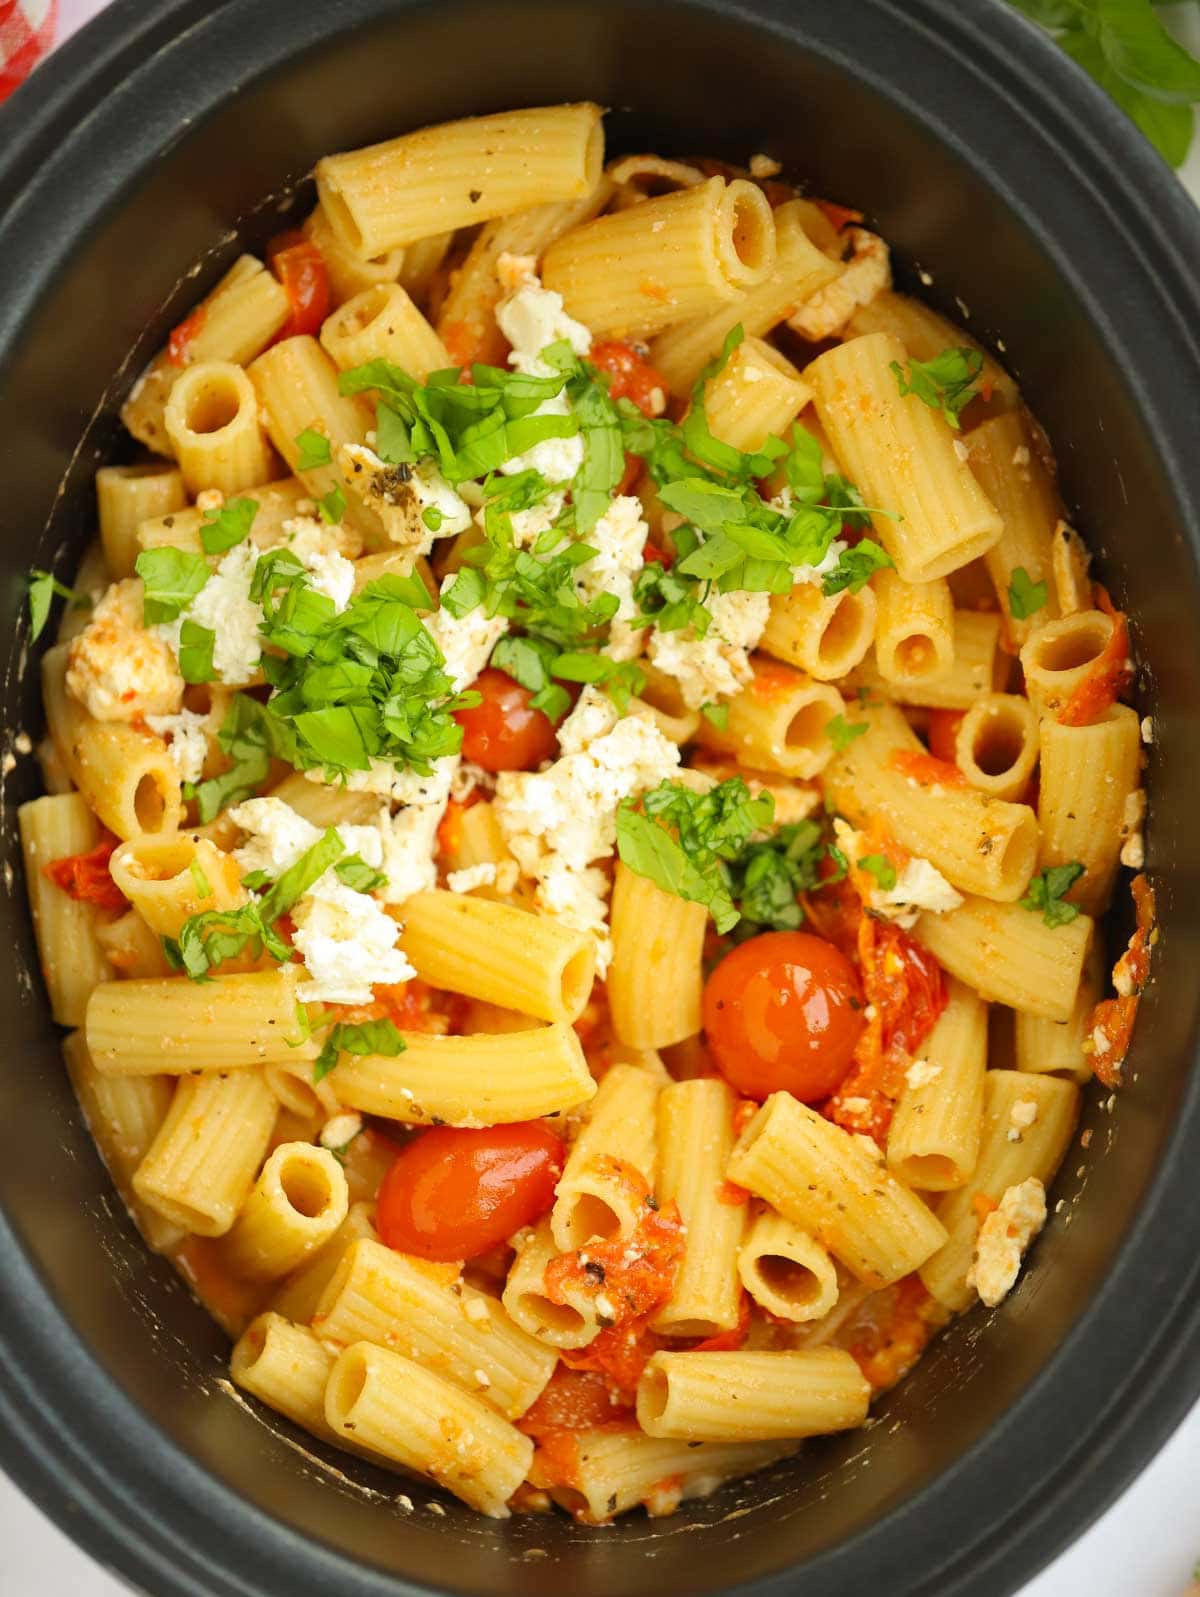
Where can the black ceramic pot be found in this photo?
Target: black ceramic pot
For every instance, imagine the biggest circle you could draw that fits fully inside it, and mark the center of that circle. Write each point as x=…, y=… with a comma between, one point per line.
x=987, y=160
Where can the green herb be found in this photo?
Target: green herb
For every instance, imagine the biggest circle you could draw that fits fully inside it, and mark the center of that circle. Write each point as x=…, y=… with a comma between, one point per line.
x=172, y=579
x=42, y=590
x=716, y=714
x=370, y=1037
x=314, y=450
x=1048, y=890
x=856, y=566
x=603, y=454
x=203, y=885
x=667, y=601
x=333, y=506
x=841, y=864
x=251, y=738
x=1124, y=46
x=683, y=840
x=946, y=383
x=208, y=939
x=225, y=528
x=196, y=644
x=881, y=869
x=294, y=882
x=539, y=666
x=1024, y=595
x=432, y=517
x=353, y=871
x=770, y=874
x=841, y=733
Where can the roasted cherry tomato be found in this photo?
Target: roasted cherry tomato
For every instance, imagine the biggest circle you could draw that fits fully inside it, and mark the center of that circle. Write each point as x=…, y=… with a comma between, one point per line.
x=631, y=375
x=943, y=730
x=453, y=1193
x=503, y=733
x=783, y=1013
x=300, y=267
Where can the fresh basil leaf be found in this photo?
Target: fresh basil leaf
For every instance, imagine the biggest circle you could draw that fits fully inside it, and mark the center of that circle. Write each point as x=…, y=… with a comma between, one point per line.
x=1025, y=597
x=1048, y=890
x=353, y=871
x=202, y=884
x=369, y=1037
x=842, y=733
x=42, y=590
x=196, y=644
x=225, y=528
x=466, y=593
x=1168, y=127
x=946, y=383
x=172, y=579
x=300, y=876
x=856, y=566
x=333, y=507
x=716, y=714
x=1143, y=54
x=314, y=450
x=881, y=869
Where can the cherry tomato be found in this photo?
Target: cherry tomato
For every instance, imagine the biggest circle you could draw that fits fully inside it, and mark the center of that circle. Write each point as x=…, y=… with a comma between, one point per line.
x=503, y=733
x=632, y=376
x=300, y=267
x=943, y=730
x=180, y=342
x=783, y=1013
x=455, y=1193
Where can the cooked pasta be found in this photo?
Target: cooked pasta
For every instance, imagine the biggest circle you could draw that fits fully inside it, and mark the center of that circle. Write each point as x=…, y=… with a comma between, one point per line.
x=540, y=801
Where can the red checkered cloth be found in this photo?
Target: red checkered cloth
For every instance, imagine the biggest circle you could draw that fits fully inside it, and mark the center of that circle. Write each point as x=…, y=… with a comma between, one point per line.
x=26, y=35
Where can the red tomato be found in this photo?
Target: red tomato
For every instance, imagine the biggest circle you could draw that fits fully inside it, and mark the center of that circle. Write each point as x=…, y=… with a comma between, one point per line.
x=180, y=342
x=86, y=877
x=943, y=730
x=503, y=733
x=454, y=1193
x=632, y=376
x=783, y=1013
x=300, y=267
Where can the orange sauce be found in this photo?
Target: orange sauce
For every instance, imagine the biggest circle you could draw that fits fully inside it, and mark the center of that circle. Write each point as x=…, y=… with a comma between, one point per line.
x=1111, y=1028
x=926, y=769
x=1106, y=676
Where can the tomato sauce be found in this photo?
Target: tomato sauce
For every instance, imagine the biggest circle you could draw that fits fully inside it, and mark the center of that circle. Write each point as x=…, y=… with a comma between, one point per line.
x=179, y=351
x=839, y=215
x=902, y=1321
x=300, y=268
x=1111, y=1029
x=905, y=994
x=1106, y=676
x=87, y=878
x=631, y=375
x=926, y=770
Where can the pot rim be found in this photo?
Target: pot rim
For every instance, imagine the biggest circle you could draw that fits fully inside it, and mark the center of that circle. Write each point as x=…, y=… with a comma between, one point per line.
x=97, y=1465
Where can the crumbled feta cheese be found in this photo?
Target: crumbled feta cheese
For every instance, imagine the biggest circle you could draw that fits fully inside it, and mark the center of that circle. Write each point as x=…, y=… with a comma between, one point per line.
x=119, y=669
x=1003, y=1238
x=559, y=822
x=856, y=1106
x=468, y=777
x=717, y=665
x=472, y=876
x=1133, y=847
x=346, y=941
x=410, y=842
x=961, y=450
x=400, y=496
x=465, y=641
x=343, y=1128
x=1147, y=731
x=869, y=273
x=531, y=318
x=225, y=607
x=529, y=525
x=1020, y=455
x=764, y=166
x=619, y=538
x=921, y=1073
x=188, y=746
x=1022, y=1115
x=919, y=885
x=312, y=544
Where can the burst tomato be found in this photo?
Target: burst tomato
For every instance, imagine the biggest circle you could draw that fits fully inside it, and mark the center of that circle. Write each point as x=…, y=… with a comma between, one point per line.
x=454, y=1193
x=504, y=733
x=300, y=267
x=783, y=1013
x=943, y=731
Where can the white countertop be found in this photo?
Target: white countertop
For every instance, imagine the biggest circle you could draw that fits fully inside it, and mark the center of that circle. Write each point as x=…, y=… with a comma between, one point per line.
x=1145, y=1546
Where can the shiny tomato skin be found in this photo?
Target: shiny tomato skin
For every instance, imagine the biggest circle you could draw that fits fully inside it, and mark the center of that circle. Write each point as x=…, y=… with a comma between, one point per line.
x=503, y=733
x=943, y=731
x=300, y=267
x=454, y=1193
x=783, y=1014
x=630, y=375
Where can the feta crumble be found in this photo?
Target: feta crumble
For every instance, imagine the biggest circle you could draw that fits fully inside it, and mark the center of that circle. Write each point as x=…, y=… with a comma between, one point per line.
x=315, y=547
x=400, y=496
x=619, y=538
x=118, y=668
x=188, y=745
x=502, y=875
x=717, y=665
x=1003, y=1239
x=346, y=941
x=559, y=822
x=1023, y=1115
x=225, y=607
x=532, y=317
x=921, y=1073
x=340, y=1130
x=918, y=886
x=466, y=641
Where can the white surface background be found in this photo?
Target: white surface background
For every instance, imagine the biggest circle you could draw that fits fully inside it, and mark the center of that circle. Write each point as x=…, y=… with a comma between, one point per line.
x=1145, y=1546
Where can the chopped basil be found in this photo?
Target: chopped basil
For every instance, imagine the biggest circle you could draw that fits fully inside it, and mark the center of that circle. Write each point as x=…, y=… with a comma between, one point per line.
x=42, y=590
x=225, y=528
x=369, y=1037
x=946, y=383
x=172, y=579
x=1048, y=890
x=1025, y=597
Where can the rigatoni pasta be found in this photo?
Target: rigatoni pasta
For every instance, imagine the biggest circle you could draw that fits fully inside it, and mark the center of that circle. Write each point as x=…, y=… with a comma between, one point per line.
x=529, y=883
